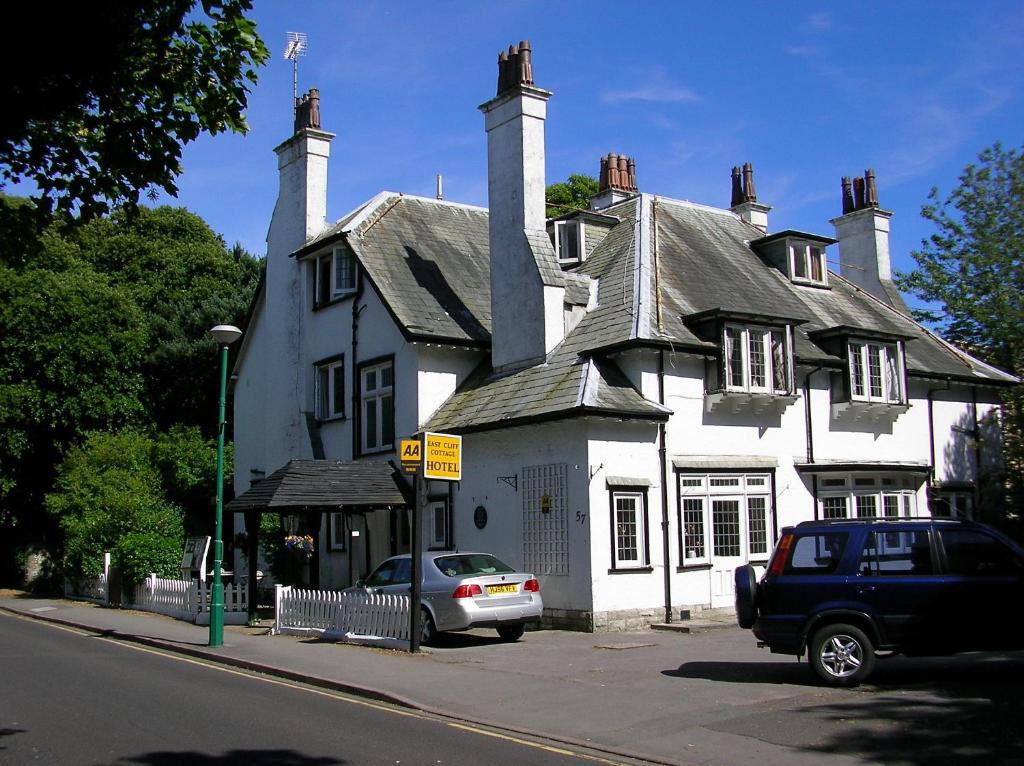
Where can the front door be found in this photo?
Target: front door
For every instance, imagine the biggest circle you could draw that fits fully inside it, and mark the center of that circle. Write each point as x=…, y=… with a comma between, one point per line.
x=728, y=543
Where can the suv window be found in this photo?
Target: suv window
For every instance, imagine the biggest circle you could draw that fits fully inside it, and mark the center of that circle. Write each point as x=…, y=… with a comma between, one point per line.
x=817, y=553
x=975, y=554
x=896, y=553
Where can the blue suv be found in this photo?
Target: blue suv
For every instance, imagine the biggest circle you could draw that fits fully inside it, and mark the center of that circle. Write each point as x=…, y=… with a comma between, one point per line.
x=844, y=590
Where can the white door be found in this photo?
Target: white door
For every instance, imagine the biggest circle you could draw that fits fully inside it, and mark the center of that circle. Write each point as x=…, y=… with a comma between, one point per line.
x=728, y=546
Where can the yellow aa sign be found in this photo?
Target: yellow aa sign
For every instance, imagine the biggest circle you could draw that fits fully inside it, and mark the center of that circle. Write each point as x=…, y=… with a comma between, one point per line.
x=412, y=455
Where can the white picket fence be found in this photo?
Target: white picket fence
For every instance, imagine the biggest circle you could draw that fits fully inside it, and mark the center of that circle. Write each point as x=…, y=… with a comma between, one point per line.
x=190, y=600
x=369, y=618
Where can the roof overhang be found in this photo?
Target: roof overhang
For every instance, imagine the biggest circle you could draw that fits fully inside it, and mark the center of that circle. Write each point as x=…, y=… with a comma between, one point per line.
x=792, y=234
x=723, y=462
x=856, y=466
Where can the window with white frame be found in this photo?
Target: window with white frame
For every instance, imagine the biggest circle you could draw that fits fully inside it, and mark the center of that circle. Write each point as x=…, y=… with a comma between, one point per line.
x=757, y=359
x=890, y=496
x=377, y=403
x=440, y=525
x=807, y=262
x=335, y=275
x=724, y=516
x=629, y=521
x=876, y=372
x=569, y=241
x=339, y=531
x=329, y=388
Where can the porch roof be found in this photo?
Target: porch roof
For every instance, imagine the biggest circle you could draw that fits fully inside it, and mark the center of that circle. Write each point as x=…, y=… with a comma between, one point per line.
x=325, y=485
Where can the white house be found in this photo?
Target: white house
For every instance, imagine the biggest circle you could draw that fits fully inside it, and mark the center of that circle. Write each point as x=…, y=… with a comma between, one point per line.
x=648, y=391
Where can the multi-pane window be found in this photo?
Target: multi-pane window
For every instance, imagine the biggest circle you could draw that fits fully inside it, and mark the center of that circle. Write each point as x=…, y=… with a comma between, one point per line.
x=569, y=237
x=876, y=372
x=757, y=359
x=956, y=505
x=807, y=262
x=724, y=516
x=335, y=275
x=330, y=389
x=867, y=497
x=439, y=518
x=377, y=399
x=630, y=530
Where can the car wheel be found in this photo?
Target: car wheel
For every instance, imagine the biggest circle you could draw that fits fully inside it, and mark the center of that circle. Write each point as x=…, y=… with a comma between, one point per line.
x=842, y=655
x=428, y=631
x=746, y=595
x=511, y=632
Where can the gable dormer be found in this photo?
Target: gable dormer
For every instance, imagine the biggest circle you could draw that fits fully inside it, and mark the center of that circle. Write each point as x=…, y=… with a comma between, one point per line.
x=576, y=234
x=797, y=255
x=755, y=369
x=872, y=385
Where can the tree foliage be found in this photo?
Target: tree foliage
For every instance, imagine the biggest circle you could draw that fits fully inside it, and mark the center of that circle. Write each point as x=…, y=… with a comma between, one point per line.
x=103, y=326
x=107, y=93
x=971, y=269
x=109, y=496
x=572, y=194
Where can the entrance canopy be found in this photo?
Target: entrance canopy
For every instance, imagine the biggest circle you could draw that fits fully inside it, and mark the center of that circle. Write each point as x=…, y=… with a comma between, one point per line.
x=325, y=486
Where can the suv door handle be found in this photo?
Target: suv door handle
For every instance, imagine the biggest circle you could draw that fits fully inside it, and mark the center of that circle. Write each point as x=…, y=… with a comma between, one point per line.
x=862, y=589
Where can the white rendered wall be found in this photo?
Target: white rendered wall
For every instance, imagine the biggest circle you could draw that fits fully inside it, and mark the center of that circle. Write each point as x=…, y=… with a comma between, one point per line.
x=493, y=454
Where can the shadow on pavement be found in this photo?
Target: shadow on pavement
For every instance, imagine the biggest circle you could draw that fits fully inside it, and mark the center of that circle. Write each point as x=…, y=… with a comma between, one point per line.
x=240, y=757
x=919, y=712
x=743, y=672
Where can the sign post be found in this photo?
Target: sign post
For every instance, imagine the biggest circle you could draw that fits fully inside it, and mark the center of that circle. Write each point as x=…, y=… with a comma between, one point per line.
x=437, y=457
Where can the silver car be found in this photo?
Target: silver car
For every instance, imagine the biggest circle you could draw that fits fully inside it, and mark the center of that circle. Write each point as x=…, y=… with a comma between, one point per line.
x=463, y=590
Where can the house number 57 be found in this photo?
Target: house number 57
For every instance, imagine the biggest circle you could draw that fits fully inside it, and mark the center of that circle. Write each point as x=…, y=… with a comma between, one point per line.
x=581, y=517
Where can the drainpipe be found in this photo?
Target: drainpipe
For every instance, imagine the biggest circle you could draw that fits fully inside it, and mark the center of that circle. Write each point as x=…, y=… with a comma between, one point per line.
x=809, y=428
x=807, y=413
x=977, y=448
x=356, y=311
x=664, y=490
x=931, y=433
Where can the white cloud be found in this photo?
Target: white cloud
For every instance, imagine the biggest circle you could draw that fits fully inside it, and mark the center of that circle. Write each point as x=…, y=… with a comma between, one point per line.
x=817, y=22
x=655, y=87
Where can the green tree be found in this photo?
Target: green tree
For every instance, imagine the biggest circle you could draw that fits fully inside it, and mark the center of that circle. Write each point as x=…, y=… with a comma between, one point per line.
x=102, y=326
x=109, y=496
x=971, y=269
x=572, y=194
x=108, y=92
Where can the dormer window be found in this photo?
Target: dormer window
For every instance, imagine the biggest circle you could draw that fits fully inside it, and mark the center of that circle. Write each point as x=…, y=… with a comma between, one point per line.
x=758, y=360
x=335, y=275
x=876, y=372
x=807, y=262
x=569, y=241
x=799, y=255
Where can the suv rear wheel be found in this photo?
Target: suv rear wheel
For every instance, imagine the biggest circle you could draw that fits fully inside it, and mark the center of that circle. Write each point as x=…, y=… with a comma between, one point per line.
x=841, y=655
x=746, y=595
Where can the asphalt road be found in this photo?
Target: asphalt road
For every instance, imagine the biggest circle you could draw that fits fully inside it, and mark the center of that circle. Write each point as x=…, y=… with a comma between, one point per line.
x=70, y=698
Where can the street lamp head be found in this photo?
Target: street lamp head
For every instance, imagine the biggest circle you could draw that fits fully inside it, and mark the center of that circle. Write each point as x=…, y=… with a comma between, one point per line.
x=225, y=334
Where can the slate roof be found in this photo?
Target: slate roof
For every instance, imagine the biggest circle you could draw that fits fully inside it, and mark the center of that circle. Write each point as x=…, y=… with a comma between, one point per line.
x=328, y=485
x=662, y=263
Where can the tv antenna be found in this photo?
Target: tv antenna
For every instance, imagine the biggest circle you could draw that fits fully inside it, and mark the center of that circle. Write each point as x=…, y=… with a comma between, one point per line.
x=296, y=46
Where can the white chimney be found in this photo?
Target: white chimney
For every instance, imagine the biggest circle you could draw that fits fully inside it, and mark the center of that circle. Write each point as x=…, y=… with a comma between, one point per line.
x=863, y=234
x=301, y=209
x=527, y=285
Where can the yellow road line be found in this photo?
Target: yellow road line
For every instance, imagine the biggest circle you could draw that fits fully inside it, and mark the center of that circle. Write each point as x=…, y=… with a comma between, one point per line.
x=339, y=696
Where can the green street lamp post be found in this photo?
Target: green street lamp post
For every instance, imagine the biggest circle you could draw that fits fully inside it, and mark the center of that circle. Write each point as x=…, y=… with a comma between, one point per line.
x=225, y=335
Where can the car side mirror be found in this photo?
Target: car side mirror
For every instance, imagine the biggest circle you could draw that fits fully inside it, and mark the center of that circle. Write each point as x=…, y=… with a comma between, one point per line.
x=360, y=583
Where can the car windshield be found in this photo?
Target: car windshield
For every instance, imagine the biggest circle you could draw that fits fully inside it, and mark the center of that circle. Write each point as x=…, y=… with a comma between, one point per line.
x=470, y=564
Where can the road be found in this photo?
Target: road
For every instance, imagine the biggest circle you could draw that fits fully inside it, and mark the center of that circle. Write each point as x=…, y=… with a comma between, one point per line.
x=70, y=698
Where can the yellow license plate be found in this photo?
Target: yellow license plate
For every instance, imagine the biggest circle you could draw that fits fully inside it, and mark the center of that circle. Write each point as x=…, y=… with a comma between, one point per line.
x=492, y=589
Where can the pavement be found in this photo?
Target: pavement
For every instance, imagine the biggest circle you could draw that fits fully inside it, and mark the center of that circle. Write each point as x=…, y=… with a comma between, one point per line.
x=707, y=696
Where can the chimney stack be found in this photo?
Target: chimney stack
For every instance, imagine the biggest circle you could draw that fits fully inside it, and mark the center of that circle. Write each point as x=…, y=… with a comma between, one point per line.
x=527, y=285
x=744, y=198
x=616, y=181
x=863, y=234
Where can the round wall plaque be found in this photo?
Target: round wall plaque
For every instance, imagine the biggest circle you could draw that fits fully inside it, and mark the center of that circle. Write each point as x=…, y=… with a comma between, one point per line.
x=480, y=517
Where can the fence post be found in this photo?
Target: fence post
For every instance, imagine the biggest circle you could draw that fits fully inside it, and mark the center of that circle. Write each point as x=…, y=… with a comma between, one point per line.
x=278, y=588
x=106, y=578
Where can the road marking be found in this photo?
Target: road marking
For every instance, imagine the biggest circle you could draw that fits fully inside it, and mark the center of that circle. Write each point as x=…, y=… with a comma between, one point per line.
x=335, y=695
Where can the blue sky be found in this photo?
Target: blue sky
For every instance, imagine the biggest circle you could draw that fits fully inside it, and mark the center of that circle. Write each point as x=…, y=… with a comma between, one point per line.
x=807, y=92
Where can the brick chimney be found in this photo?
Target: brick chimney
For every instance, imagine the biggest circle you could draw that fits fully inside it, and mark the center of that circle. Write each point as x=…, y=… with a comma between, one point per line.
x=616, y=181
x=744, y=198
x=863, y=234
x=527, y=286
